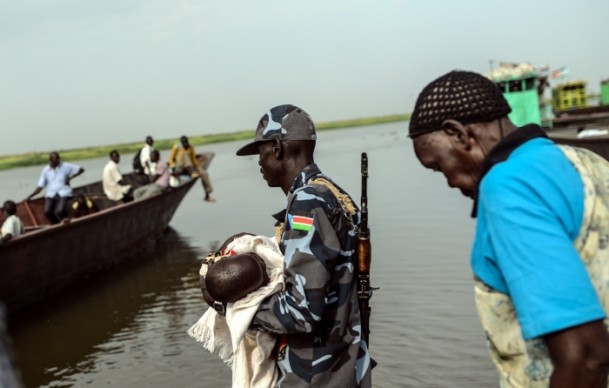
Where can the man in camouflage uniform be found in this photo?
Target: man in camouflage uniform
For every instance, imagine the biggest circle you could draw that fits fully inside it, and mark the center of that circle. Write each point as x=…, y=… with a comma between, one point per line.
x=317, y=316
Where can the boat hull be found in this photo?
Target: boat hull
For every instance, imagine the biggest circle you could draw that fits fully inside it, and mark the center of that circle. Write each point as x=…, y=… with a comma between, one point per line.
x=48, y=259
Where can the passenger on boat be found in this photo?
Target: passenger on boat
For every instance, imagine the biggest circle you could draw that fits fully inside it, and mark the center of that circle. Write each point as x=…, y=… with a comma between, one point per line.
x=317, y=314
x=12, y=226
x=183, y=160
x=142, y=167
x=145, y=157
x=112, y=180
x=160, y=180
x=56, y=178
x=540, y=256
x=82, y=206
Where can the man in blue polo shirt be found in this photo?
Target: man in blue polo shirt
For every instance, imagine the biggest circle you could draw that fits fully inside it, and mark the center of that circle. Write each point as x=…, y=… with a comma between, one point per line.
x=540, y=257
x=56, y=178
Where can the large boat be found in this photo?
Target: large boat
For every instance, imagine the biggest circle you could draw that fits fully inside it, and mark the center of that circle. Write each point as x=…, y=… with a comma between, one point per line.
x=569, y=119
x=48, y=258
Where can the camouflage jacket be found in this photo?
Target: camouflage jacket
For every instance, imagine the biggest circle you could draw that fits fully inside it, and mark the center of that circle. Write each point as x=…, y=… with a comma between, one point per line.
x=317, y=315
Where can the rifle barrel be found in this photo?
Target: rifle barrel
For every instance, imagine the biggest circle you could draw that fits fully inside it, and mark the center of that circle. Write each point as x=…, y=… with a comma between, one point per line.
x=364, y=255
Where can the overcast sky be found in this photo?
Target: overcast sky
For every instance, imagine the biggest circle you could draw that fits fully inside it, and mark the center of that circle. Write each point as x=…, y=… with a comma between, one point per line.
x=79, y=73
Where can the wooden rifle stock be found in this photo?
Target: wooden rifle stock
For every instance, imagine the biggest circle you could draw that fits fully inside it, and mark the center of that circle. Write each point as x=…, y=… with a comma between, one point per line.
x=364, y=256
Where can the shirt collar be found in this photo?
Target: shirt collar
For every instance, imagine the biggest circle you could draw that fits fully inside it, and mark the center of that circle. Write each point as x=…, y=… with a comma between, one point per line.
x=304, y=176
x=503, y=149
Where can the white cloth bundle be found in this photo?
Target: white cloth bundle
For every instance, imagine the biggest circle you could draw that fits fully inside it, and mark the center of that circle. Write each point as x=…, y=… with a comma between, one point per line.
x=248, y=352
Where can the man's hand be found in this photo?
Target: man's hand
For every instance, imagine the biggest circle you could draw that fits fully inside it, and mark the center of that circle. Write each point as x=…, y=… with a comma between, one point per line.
x=36, y=191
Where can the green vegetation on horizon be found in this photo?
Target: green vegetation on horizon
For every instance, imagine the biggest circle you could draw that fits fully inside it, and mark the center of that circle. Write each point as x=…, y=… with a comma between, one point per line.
x=40, y=158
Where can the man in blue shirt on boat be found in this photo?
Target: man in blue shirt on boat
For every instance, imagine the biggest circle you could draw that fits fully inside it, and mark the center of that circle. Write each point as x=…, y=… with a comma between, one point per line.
x=56, y=178
x=540, y=256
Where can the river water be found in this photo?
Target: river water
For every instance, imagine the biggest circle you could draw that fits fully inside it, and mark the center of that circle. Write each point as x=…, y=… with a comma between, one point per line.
x=127, y=327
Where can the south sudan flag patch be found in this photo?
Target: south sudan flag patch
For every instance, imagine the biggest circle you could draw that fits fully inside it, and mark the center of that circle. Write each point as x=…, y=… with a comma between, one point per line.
x=300, y=222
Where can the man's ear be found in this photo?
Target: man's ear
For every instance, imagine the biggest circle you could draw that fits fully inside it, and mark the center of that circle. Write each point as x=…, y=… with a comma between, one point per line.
x=458, y=132
x=277, y=148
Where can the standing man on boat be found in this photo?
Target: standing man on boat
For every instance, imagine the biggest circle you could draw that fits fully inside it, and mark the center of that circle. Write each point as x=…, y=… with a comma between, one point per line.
x=316, y=316
x=145, y=157
x=540, y=256
x=56, y=178
x=183, y=159
x=112, y=180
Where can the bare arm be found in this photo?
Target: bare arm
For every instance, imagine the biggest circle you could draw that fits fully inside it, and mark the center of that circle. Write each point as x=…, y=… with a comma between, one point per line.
x=80, y=171
x=36, y=191
x=580, y=356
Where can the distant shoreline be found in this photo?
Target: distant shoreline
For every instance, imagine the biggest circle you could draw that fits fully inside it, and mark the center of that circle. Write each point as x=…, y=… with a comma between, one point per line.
x=40, y=158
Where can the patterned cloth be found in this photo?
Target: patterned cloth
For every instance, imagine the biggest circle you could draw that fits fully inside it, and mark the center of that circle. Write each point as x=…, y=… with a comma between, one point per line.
x=527, y=363
x=317, y=315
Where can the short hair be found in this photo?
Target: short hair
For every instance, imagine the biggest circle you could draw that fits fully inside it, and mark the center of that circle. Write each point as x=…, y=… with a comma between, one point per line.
x=10, y=207
x=184, y=139
x=464, y=96
x=113, y=152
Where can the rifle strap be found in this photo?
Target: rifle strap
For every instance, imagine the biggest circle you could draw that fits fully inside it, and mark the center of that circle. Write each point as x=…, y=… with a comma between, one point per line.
x=346, y=203
x=279, y=232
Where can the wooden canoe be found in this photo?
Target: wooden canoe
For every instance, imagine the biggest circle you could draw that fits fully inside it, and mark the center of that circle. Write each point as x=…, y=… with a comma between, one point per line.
x=48, y=258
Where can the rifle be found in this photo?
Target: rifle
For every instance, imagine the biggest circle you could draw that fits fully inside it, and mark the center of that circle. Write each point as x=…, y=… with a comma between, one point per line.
x=364, y=291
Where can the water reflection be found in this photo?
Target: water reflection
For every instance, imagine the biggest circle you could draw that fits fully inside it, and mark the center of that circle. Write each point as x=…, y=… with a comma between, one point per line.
x=117, y=320
x=128, y=327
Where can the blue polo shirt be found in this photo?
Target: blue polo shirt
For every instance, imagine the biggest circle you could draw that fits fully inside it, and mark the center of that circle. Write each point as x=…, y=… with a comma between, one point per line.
x=530, y=210
x=54, y=179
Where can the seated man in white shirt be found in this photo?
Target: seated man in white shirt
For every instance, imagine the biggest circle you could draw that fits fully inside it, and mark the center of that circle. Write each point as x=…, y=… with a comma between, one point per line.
x=12, y=226
x=112, y=180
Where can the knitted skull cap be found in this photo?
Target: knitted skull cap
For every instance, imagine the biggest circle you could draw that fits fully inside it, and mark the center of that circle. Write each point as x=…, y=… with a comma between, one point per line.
x=464, y=96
